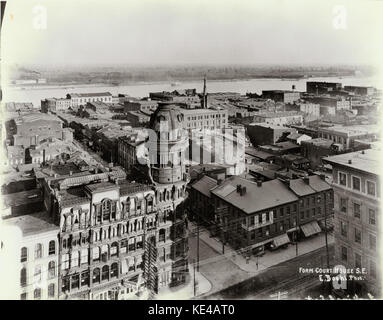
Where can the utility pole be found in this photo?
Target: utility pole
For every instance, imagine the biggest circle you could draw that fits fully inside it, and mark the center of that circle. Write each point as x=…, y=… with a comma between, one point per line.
x=198, y=242
x=325, y=226
x=194, y=276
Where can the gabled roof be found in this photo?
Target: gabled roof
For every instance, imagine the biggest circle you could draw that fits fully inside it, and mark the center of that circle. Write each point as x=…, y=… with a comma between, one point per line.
x=256, y=198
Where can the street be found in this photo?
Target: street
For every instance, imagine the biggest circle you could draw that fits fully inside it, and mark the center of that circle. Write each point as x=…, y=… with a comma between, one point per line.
x=229, y=281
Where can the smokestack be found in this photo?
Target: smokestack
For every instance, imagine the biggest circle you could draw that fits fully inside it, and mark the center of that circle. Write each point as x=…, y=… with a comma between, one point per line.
x=259, y=183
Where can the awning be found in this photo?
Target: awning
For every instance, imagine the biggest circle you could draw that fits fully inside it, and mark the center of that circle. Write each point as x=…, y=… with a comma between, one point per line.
x=281, y=240
x=311, y=228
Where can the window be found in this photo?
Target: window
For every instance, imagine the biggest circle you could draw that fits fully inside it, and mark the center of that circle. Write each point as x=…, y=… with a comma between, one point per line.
x=23, y=277
x=344, y=253
x=371, y=188
x=356, y=183
x=372, y=242
x=357, y=210
x=51, y=269
x=114, y=270
x=343, y=205
x=358, y=260
x=52, y=247
x=371, y=216
x=75, y=259
x=65, y=261
x=24, y=254
x=38, y=251
x=163, y=232
x=96, y=254
x=75, y=281
x=105, y=273
x=132, y=244
x=139, y=242
x=96, y=275
x=358, y=236
x=84, y=278
x=65, y=284
x=37, y=273
x=313, y=211
x=84, y=256
x=51, y=290
x=106, y=209
x=343, y=228
x=342, y=179
x=114, y=249
x=37, y=294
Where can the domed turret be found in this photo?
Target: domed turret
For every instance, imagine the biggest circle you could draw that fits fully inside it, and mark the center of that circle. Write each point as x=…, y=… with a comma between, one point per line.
x=166, y=118
x=167, y=144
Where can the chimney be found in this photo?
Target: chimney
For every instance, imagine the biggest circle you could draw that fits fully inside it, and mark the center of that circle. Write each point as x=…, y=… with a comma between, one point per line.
x=243, y=191
x=322, y=176
x=70, y=172
x=350, y=161
x=219, y=181
x=239, y=188
x=306, y=180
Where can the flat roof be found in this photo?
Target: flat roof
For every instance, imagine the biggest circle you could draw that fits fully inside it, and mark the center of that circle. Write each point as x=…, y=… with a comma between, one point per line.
x=367, y=161
x=31, y=224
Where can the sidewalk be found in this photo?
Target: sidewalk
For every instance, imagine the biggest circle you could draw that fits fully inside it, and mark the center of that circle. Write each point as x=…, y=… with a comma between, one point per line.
x=186, y=291
x=270, y=258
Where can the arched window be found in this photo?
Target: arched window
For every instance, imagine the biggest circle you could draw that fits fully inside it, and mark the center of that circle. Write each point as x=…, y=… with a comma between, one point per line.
x=106, y=209
x=114, y=249
x=23, y=277
x=51, y=269
x=52, y=247
x=24, y=254
x=105, y=273
x=114, y=270
x=96, y=275
x=37, y=273
x=51, y=290
x=38, y=251
x=37, y=294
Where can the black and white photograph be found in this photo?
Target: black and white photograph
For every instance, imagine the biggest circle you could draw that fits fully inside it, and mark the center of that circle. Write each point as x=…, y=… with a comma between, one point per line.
x=165, y=150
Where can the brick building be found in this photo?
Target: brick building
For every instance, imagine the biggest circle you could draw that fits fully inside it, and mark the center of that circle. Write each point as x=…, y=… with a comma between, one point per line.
x=357, y=192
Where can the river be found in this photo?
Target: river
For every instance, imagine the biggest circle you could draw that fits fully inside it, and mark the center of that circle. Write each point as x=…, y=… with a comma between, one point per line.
x=34, y=94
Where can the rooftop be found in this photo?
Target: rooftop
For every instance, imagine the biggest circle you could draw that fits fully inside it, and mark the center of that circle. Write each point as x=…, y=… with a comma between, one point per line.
x=353, y=130
x=32, y=223
x=268, y=125
x=319, y=142
x=256, y=198
x=85, y=95
x=314, y=184
x=367, y=161
x=204, y=185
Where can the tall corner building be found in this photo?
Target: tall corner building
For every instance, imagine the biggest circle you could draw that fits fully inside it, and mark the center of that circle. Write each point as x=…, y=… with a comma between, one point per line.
x=167, y=143
x=357, y=193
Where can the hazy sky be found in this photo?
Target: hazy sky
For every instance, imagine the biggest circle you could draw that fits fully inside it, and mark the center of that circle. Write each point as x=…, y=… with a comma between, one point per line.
x=194, y=31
